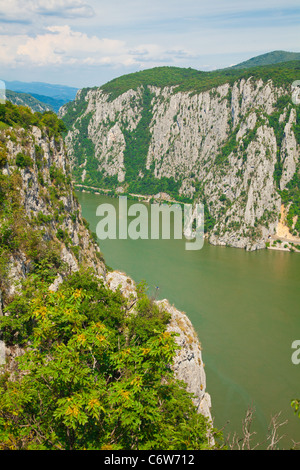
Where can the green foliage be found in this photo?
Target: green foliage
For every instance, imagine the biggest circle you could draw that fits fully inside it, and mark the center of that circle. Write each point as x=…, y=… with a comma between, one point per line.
x=23, y=160
x=57, y=176
x=84, y=150
x=278, y=127
x=3, y=155
x=157, y=76
x=230, y=146
x=199, y=195
x=148, y=319
x=269, y=58
x=296, y=405
x=196, y=81
x=22, y=116
x=55, y=127
x=148, y=184
x=81, y=105
x=296, y=127
x=91, y=377
x=291, y=195
x=137, y=141
x=26, y=99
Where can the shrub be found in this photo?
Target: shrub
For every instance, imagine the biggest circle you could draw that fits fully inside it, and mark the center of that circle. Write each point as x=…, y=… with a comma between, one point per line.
x=23, y=160
x=3, y=156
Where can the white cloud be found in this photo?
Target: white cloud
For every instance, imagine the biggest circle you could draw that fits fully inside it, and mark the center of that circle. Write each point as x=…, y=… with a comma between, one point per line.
x=20, y=11
x=64, y=8
x=8, y=49
x=96, y=40
x=62, y=45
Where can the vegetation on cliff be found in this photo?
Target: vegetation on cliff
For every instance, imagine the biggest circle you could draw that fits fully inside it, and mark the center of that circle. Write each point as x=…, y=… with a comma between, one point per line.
x=90, y=375
x=195, y=81
x=81, y=372
x=157, y=155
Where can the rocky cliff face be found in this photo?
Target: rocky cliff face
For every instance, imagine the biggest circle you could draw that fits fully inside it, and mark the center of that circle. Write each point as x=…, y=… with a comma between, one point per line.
x=41, y=217
x=188, y=364
x=221, y=147
x=41, y=228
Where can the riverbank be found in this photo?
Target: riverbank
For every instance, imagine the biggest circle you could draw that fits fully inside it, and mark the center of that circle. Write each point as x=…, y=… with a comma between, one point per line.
x=243, y=305
x=159, y=197
x=283, y=240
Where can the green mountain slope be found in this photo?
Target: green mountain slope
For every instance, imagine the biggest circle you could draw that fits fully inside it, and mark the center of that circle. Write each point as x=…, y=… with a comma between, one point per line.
x=221, y=137
x=52, y=103
x=25, y=99
x=59, y=92
x=82, y=366
x=270, y=58
x=197, y=81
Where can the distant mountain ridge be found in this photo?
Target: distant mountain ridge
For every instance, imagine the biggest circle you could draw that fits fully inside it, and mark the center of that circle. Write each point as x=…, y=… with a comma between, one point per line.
x=25, y=99
x=54, y=96
x=39, y=96
x=53, y=103
x=270, y=58
x=58, y=92
x=228, y=138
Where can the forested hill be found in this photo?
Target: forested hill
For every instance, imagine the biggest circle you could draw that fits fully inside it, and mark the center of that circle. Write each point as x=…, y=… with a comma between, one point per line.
x=229, y=138
x=82, y=365
x=270, y=58
x=191, y=80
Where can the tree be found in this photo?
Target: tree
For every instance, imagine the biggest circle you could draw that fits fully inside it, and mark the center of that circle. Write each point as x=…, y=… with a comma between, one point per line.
x=84, y=382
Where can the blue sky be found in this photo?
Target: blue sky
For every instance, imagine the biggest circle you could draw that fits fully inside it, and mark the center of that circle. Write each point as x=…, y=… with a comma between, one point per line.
x=88, y=42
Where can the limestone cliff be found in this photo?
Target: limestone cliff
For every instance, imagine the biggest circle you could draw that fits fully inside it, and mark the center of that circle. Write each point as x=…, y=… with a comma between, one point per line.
x=41, y=216
x=188, y=363
x=222, y=146
x=42, y=229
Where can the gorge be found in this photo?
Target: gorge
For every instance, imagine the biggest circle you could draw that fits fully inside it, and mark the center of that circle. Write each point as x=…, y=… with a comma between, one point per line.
x=227, y=139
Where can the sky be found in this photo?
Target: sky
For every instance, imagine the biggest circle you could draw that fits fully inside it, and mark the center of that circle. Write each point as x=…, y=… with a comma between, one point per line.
x=89, y=42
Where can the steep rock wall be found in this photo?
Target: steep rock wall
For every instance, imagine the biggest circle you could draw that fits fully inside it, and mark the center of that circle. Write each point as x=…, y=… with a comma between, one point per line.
x=221, y=147
x=46, y=210
x=188, y=362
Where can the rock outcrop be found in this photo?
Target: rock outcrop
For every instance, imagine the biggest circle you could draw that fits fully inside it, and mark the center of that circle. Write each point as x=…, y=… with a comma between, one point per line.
x=46, y=209
x=188, y=363
x=221, y=146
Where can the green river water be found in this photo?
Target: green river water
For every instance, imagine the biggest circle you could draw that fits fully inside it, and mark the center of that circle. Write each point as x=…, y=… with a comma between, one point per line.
x=245, y=309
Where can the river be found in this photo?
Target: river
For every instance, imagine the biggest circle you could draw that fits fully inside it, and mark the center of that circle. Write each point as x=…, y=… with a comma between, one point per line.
x=245, y=309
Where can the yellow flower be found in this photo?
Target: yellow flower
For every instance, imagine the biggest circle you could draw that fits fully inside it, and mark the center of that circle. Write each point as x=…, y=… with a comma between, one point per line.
x=81, y=338
x=125, y=352
x=94, y=402
x=77, y=293
x=100, y=338
x=125, y=394
x=41, y=312
x=72, y=410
